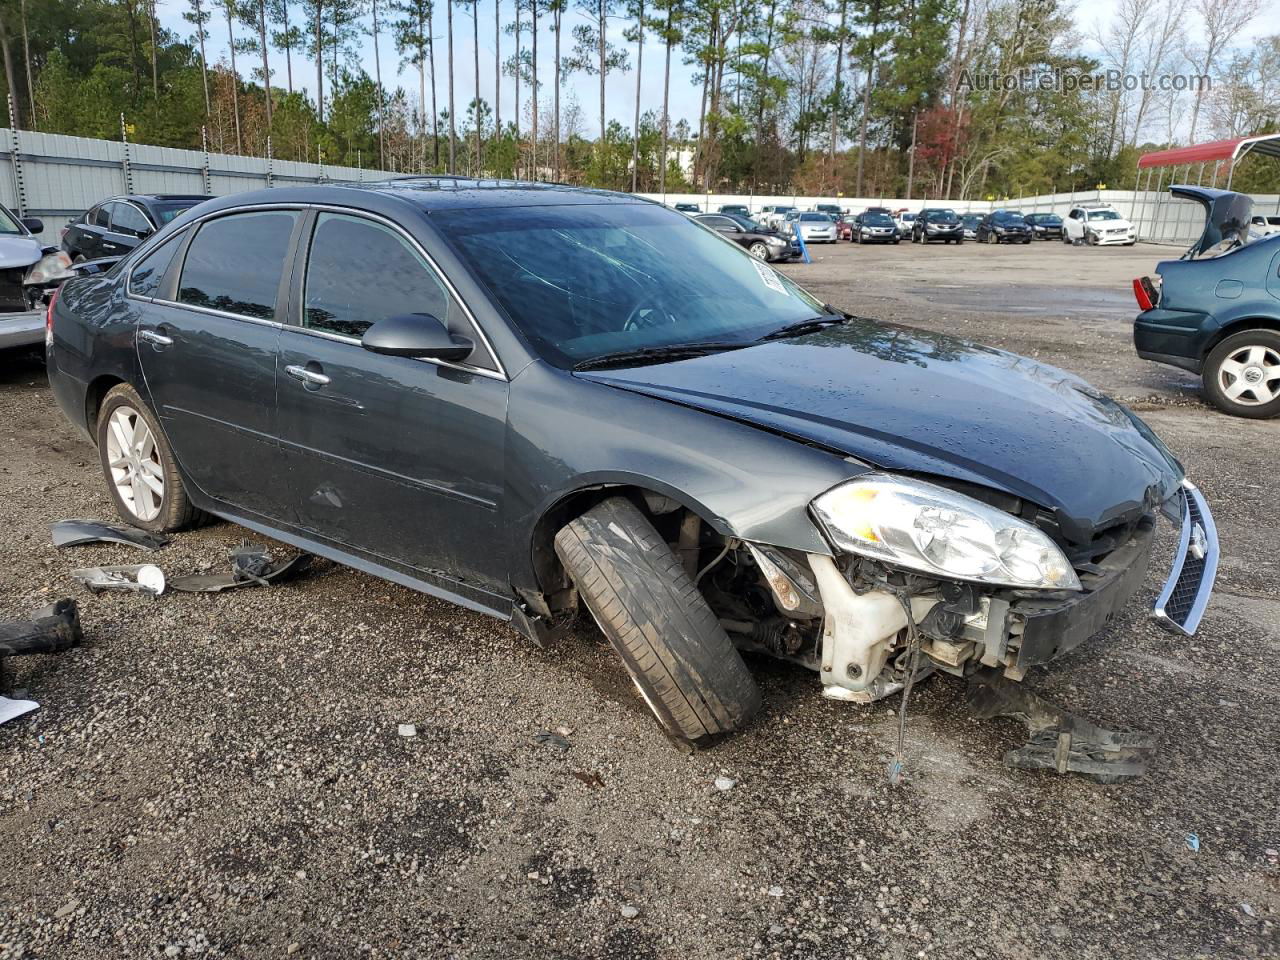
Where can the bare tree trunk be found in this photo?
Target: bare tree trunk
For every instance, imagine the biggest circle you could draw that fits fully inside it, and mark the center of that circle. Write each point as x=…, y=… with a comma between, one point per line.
x=866, y=97
x=517, y=79
x=497, y=70
x=453, y=120
x=838, y=89
x=288, y=48
x=155, y=68
x=266, y=67
x=600, y=45
x=26, y=56
x=635, y=129
x=533, y=83
x=8, y=71
x=204, y=63
x=319, y=62
x=235, y=76
x=476, y=164
x=377, y=74
x=666, y=103
x=557, y=12
x=435, y=114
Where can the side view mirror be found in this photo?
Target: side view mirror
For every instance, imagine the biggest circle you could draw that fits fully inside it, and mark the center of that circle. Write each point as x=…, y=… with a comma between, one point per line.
x=416, y=335
x=34, y=224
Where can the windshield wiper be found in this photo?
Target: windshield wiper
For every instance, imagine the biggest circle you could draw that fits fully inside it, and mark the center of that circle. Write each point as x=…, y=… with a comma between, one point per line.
x=671, y=351
x=811, y=325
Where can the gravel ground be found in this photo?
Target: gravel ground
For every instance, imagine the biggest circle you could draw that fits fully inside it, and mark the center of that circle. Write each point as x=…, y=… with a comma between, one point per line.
x=224, y=776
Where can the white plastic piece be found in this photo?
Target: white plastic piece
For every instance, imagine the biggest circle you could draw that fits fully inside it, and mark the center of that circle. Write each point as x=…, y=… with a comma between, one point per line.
x=12, y=709
x=858, y=630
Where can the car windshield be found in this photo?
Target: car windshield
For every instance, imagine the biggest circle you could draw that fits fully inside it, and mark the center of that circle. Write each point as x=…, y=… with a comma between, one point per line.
x=878, y=220
x=940, y=216
x=971, y=219
x=815, y=218
x=167, y=211
x=9, y=226
x=1103, y=215
x=585, y=280
x=1008, y=217
x=1048, y=219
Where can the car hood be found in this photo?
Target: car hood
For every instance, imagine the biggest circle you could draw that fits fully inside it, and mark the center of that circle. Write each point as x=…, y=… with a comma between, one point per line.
x=20, y=251
x=921, y=402
x=1226, y=217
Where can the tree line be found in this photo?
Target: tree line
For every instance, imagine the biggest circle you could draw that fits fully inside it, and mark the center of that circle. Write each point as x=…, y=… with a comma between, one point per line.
x=819, y=97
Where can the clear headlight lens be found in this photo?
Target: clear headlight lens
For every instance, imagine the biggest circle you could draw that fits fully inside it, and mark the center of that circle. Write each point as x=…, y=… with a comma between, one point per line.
x=931, y=529
x=50, y=267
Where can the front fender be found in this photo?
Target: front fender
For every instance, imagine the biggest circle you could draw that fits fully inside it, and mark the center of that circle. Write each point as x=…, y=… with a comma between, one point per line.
x=566, y=435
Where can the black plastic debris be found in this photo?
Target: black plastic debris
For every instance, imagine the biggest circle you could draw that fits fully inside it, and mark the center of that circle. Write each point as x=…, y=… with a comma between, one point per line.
x=251, y=566
x=1059, y=740
x=548, y=739
x=51, y=629
x=72, y=533
x=135, y=578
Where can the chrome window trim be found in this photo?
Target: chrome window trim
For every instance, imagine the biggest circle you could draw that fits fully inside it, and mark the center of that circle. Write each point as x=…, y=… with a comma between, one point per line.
x=499, y=374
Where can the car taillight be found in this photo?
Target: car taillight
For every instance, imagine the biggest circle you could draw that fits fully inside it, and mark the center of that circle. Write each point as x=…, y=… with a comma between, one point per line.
x=1145, y=292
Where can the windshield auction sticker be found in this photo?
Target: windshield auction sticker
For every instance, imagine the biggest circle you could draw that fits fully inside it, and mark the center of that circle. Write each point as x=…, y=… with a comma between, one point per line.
x=768, y=276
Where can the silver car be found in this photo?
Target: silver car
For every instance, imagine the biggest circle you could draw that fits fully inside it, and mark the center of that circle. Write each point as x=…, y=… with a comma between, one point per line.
x=814, y=227
x=28, y=270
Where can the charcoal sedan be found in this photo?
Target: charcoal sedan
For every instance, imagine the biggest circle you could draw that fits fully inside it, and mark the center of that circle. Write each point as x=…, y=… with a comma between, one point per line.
x=587, y=401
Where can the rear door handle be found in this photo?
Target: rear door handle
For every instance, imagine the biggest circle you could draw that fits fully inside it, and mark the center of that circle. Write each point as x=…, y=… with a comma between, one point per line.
x=159, y=339
x=309, y=377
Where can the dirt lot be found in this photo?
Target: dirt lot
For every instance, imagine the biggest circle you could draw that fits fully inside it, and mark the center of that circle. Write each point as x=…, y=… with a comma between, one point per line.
x=222, y=775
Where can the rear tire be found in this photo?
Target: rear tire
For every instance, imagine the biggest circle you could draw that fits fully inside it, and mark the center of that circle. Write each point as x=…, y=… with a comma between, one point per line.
x=684, y=664
x=1249, y=361
x=124, y=414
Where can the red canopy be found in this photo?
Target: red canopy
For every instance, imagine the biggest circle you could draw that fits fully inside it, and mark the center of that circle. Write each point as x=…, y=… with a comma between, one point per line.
x=1211, y=152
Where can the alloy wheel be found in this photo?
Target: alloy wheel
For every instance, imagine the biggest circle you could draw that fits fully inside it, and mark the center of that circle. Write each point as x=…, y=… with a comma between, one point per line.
x=759, y=251
x=134, y=461
x=1250, y=376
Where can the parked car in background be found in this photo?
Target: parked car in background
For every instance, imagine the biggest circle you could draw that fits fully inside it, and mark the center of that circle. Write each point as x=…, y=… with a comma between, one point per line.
x=813, y=227
x=1216, y=311
x=844, y=226
x=116, y=226
x=876, y=228
x=1045, y=226
x=688, y=208
x=969, y=225
x=1097, y=224
x=1003, y=226
x=1265, y=226
x=774, y=216
x=905, y=221
x=833, y=210
x=738, y=209
x=538, y=402
x=29, y=272
x=755, y=239
x=937, y=223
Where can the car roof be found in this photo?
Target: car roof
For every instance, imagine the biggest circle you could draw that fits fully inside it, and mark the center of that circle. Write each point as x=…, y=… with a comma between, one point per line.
x=431, y=193
x=198, y=197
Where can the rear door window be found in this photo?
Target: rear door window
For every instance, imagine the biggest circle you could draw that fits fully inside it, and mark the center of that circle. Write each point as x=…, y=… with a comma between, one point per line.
x=128, y=219
x=101, y=216
x=145, y=279
x=234, y=264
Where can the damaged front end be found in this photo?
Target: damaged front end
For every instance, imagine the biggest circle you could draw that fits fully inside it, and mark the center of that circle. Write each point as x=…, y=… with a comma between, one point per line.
x=927, y=579
x=25, y=287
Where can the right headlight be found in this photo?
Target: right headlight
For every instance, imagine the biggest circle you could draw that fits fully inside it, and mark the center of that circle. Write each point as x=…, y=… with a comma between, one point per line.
x=934, y=530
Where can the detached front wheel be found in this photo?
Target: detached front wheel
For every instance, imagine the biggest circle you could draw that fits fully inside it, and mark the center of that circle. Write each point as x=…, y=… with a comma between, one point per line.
x=1242, y=374
x=680, y=658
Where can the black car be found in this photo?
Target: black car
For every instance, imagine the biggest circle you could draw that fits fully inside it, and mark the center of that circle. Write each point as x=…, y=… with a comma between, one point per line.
x=688, y=208
x=1216, y=311
x=529, y=399
x=736, y=209
x=757, y=239
x=1003, y=226
x=875, y=228
x=1045, y=226
x=937, y=223
x=116, y=226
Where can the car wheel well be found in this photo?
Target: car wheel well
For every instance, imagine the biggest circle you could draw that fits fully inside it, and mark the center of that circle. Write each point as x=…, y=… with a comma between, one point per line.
x=98, y=388
x=1239, y=326
x=551, y=576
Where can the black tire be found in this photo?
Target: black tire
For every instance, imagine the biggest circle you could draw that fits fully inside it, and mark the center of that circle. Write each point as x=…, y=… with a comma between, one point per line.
x=681, y=659
x=176, y=511
x=1268, y=340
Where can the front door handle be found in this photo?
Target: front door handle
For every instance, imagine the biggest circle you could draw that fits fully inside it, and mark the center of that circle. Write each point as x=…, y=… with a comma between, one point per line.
x=308, y=377
x=153, y=337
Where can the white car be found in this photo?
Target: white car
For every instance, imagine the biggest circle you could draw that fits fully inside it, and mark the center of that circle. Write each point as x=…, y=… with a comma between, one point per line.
x=904, y=220
x=1097, y=224
x=775, y=215
x=814, y=227
x=1264, y=226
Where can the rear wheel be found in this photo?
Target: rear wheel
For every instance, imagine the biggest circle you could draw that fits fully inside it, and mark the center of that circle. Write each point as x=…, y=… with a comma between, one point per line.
x=142, y=475
x=1242, y=374
x=680, y=658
